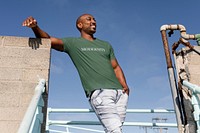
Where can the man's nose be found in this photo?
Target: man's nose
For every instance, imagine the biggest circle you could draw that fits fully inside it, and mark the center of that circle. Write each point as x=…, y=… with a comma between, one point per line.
x=93, y=21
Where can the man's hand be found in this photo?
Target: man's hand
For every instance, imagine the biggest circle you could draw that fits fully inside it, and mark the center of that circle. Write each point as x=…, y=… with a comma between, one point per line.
x=126, y=90
x=30, y=22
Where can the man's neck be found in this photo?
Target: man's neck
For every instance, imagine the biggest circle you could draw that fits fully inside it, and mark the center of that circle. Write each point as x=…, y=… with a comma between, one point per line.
x=88, y=37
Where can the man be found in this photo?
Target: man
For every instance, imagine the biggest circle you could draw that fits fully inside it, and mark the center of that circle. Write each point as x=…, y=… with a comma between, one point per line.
x=101, y=76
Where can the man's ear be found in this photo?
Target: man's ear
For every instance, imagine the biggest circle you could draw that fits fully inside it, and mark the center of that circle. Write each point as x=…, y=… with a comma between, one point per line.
x=80, y=25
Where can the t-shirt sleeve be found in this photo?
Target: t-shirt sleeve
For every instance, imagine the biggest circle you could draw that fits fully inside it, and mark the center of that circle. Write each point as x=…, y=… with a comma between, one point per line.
x=112, y=55
x=67, y=42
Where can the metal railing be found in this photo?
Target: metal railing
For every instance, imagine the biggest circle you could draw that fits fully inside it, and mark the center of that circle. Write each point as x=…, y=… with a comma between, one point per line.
x=33, y=117
x=70, y=124
x=195, y=101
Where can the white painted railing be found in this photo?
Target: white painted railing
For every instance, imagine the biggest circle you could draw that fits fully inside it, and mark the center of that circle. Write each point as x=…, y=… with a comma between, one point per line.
x=33, y=118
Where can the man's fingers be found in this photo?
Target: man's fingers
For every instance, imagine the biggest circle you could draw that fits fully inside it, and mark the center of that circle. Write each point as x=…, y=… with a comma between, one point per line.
x=30, y=22
x=126, y=90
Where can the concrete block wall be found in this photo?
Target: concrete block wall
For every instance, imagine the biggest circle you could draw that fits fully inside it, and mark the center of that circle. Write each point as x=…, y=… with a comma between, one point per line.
x=188, y=68
x=22, y=62
x=189, y=61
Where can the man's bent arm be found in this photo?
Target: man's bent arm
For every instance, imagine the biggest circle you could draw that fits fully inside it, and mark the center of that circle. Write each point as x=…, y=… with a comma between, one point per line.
x=56, y=43
x=120, y=75
x=40, y=33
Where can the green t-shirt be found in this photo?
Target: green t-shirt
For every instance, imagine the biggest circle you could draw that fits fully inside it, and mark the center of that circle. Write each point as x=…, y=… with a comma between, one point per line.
x=93, y=62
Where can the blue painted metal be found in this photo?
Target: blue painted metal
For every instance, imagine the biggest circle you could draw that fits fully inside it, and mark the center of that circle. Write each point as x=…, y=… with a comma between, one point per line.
x=195, y=88
x=33, y=118
x=67, y=124
x=63, y=110
x=148, y=124
x=195, y=102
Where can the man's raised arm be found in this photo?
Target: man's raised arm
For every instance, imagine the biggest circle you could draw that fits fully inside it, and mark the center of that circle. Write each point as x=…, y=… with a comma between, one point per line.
x=56, y=43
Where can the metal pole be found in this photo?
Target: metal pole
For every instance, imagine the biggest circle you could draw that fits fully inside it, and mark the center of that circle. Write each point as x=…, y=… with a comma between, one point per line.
x=63, y=110
x=145, y=124
x=172, y=81
x=47, y=121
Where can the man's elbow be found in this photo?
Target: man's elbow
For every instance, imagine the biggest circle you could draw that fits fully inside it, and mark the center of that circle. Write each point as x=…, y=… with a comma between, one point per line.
x=58, y=48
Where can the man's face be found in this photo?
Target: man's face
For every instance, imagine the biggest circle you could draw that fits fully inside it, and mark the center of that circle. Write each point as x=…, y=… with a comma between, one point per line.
x=88, y=24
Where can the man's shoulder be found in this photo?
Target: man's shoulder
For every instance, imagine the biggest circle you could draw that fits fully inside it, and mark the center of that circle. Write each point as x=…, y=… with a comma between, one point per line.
x=69, y=38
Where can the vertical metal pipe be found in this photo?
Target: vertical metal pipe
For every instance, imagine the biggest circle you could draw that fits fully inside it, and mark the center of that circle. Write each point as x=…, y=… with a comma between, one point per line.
x=166, y=49
x=47, y=121
x=176, y=100
x=172, y=81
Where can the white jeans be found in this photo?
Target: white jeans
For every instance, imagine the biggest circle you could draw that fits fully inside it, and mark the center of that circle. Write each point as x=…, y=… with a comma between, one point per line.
x=110, y=107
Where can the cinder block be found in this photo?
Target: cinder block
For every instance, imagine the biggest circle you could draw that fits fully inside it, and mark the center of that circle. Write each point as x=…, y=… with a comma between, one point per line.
x=194, y=59
x=12, y=52
x=1, y=41
x=11, y=114
x=9, y=127
x=25, y=99
x=195, y=79
x=36, y=63
x=16, y=41
x=33, y=43
x=24, y=52
x=23, y=63
x=10, y=74
x=33, y=75
x=11, y=62
x=194, y=69
x=36, y=53
x=10, y=87
x=9, y=100
x=27, y=87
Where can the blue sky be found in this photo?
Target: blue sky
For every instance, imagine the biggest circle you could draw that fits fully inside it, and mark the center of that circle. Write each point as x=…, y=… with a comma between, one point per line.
x=131, y=26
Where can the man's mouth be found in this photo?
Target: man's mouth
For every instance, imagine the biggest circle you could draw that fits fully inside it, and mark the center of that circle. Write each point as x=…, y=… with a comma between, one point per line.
x=93, y=26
